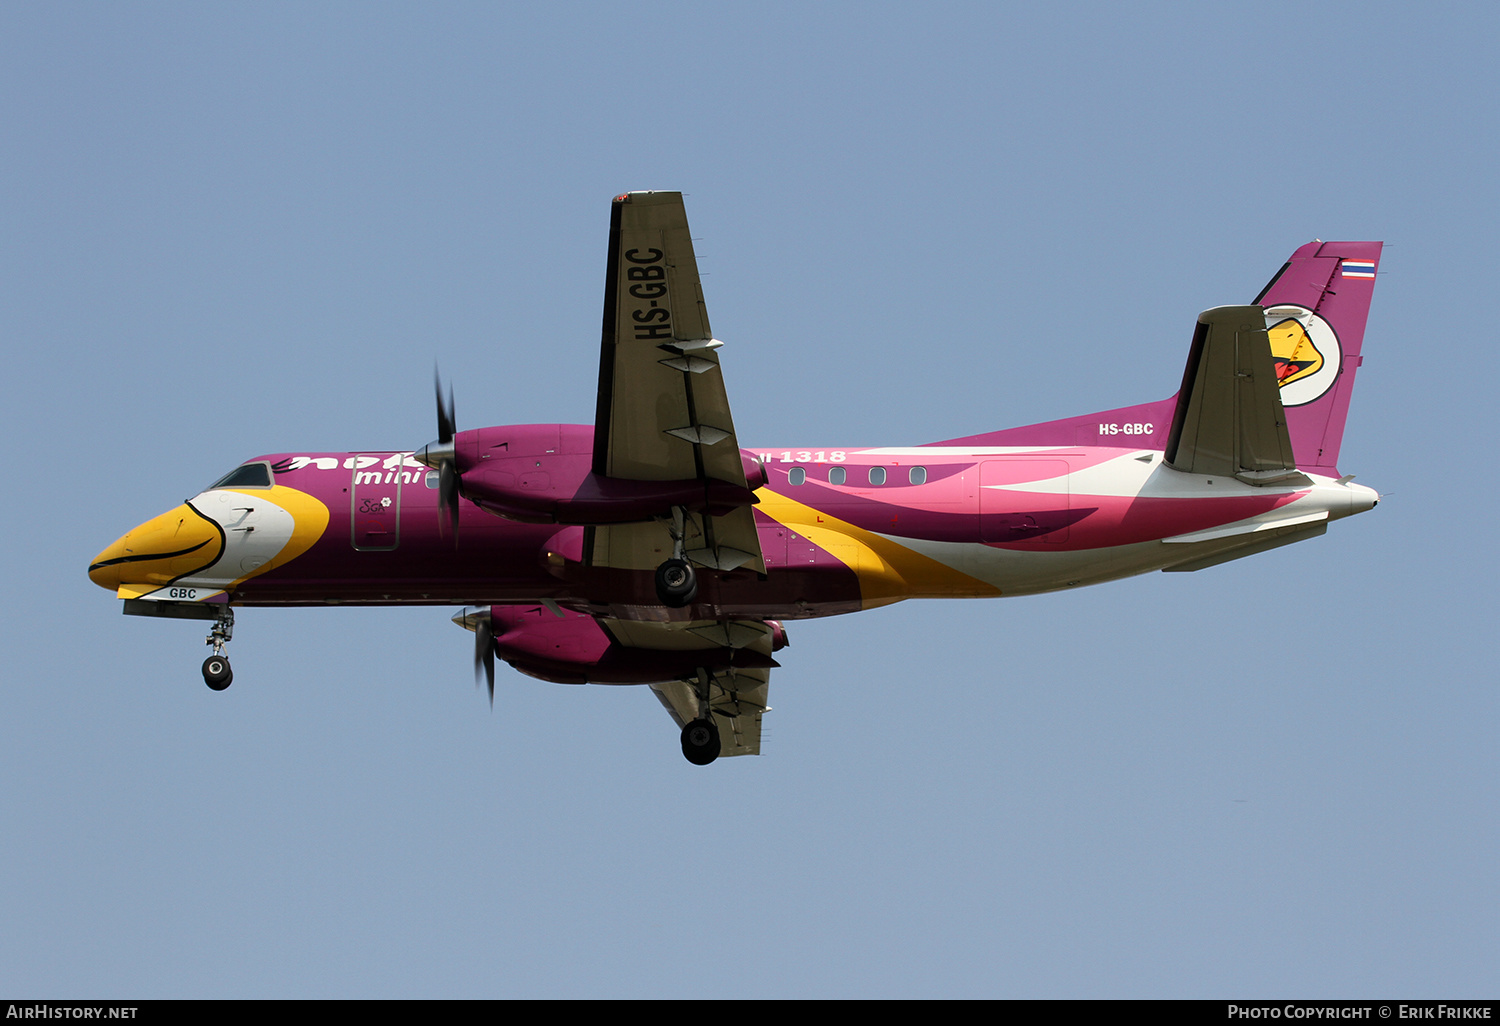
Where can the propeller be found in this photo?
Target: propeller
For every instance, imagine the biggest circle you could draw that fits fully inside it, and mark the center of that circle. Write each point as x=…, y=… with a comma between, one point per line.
x=477, y=619
x=484, y=655
x=439, y=456
x=446, y=418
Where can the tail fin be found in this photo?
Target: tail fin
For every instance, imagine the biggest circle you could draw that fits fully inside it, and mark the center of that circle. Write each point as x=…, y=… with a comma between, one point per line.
x=1315, y=316
x=1316, y=308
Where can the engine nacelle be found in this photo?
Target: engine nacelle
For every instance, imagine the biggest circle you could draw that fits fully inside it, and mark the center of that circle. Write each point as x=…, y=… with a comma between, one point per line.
x=543, y=473
x=573, y=649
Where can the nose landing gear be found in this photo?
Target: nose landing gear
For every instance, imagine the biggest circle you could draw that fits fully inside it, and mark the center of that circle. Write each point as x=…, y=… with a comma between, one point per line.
x=216, y=673
x=216, y=670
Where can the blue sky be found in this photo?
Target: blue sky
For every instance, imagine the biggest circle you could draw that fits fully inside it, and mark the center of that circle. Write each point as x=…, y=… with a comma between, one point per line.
x=232, y=230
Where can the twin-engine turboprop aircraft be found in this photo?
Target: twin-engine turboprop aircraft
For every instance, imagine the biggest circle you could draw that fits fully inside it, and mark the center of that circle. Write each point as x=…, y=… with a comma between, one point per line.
x=653, y=548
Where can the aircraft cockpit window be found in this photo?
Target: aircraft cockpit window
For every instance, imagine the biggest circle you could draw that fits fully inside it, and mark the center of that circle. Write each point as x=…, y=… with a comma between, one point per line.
x=877, y=475
x=837, y=475
x=796, y=476
x=251, y=475
x=918, y=475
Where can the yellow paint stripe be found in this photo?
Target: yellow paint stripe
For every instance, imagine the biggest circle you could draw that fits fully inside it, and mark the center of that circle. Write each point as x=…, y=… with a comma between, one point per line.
x=888, y=571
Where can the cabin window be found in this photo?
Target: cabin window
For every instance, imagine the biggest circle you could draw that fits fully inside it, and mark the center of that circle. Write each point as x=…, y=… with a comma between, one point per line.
x=918, y=475
x=433, y=479
x=796, y=475
x=877, y=475
x=837, y=475
x=251, y=475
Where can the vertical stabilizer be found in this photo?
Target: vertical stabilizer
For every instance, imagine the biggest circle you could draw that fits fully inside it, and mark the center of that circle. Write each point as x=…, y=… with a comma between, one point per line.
x=1316, y=309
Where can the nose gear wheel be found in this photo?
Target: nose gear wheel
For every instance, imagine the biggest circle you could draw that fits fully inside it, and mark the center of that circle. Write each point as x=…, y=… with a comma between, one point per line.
x=217, y=673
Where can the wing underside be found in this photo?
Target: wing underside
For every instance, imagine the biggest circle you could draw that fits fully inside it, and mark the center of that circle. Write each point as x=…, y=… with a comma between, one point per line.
x=663, y=413
x=737, y=702
x=697, y=668
x=736, y=695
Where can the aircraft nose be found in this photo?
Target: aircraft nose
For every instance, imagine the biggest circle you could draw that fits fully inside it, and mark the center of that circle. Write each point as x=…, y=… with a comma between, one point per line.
x=159, y=551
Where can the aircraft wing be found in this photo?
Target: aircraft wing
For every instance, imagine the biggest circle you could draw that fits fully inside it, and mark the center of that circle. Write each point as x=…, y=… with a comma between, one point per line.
x=663, y=413
x=731, y=657
x=737, y=702
x=1229, y=418
x=737, y=695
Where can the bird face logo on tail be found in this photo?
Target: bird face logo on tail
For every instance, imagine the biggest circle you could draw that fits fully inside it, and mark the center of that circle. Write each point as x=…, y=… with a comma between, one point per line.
x=1305, y=351
x=1295, y=355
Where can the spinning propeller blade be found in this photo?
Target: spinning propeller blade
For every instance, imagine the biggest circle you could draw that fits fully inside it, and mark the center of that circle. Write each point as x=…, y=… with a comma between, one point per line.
x=484, y=655
x=439, y=456
x=446, y=419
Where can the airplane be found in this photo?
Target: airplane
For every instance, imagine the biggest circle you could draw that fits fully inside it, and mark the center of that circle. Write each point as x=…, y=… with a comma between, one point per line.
x=652, y=548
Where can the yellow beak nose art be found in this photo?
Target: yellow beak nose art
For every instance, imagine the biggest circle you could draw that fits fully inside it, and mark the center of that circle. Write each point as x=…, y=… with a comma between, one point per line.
x=176, y=544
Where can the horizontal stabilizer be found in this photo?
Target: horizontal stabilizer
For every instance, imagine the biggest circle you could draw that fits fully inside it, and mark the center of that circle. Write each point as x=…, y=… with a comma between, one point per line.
x=1262, y=541
x=1245, y=527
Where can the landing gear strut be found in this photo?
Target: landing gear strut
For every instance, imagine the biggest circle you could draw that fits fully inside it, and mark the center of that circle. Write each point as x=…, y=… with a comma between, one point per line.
x=216, y=671
x=676, y=583
x=700, y=738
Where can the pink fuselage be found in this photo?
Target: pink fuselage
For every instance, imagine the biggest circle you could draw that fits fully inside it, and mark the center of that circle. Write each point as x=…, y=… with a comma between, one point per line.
x=945, y=521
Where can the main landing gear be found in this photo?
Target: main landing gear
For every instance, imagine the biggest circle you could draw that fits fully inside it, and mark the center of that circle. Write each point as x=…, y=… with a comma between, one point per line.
x=700, y=742
x=216, y=671
x=676, y=583
x=700, y=738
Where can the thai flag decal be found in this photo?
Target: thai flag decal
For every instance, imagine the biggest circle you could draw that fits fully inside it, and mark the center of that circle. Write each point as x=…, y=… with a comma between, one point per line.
x=1358, y=268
